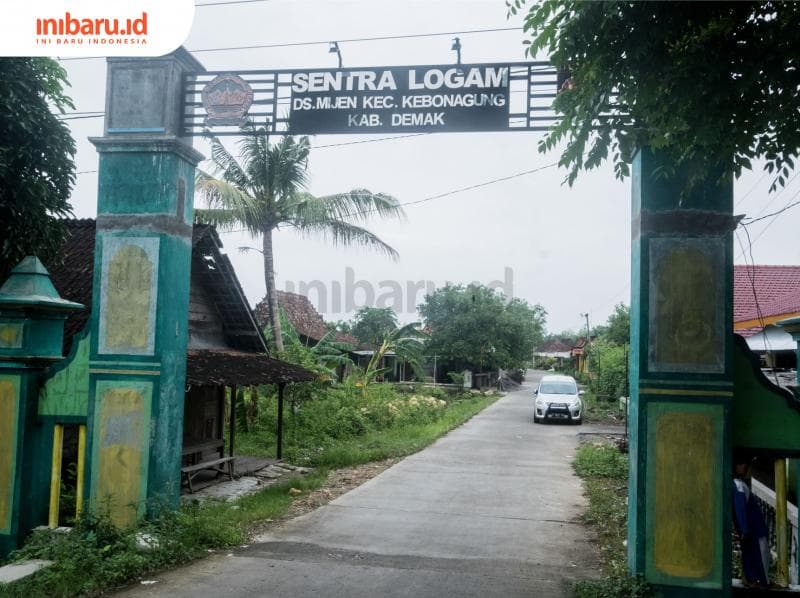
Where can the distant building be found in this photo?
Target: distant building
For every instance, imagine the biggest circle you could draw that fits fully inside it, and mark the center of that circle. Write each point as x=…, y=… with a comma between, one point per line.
x=762, y=296
x=225, y=349
x=304, y=317
x=557, y=351
x=578, y=354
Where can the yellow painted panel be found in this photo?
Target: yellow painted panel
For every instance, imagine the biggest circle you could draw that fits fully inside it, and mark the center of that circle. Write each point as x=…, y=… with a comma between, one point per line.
x=686, y=302
x=684, y=495
x=119, y=470
x=128, y=302
x=8, y=419
x=11, y=335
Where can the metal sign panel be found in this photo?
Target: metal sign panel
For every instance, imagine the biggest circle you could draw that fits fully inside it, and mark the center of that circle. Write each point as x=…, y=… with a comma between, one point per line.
x=401, y=100
x=405, y=99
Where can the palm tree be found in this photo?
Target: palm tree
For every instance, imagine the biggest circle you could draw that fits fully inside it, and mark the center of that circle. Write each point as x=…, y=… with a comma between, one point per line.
x=267, y=190
x=406, y=342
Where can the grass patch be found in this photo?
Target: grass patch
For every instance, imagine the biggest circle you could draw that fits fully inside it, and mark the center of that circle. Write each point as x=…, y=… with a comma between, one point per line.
x=404, y=437
x=96, y=556
x=605, y=479
x=601, y=460
x=598, y=411
x=342, y=430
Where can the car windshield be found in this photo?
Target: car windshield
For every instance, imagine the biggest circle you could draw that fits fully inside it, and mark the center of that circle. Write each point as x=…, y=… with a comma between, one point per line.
x=565, y=387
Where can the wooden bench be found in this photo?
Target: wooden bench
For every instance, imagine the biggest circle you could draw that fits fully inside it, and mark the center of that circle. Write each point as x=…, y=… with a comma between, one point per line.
x=216, y=444
x=221, y=465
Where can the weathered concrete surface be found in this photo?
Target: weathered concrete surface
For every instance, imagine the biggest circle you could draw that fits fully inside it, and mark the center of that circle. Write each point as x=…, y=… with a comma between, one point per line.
x=489, y=510
x=20, y=570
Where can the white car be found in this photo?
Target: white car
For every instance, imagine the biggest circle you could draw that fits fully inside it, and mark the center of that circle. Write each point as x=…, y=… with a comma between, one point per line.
x=558, y=397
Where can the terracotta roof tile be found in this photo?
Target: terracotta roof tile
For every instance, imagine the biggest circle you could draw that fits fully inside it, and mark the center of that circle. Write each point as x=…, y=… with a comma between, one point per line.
x=345, y=337
x=306, y=320
x=72, y=273
x=776, y=287
x=555, y=346
x=219, y=368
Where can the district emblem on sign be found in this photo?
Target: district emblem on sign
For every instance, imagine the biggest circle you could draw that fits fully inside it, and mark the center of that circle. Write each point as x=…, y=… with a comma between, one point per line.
x=227, y=99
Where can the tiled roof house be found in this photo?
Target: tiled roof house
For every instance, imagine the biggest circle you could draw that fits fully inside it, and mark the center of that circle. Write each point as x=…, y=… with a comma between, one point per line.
x=763, y=295
x=305, y=319
x=221, y=324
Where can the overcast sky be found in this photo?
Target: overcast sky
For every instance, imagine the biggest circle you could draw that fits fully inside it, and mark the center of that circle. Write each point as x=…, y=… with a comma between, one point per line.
x=567, y=248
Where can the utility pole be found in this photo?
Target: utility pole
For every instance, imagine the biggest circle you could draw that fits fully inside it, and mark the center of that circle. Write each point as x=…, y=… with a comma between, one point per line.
x=434, y=370
x=586, y=344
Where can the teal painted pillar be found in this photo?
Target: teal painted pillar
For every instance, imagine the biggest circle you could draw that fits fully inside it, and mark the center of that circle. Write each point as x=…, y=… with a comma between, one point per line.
x=681, y=380
x=32, y=318
x=141, y=289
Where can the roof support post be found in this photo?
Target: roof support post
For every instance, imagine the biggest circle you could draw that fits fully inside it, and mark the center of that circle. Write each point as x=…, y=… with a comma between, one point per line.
x=232, y=423
x=279, y=452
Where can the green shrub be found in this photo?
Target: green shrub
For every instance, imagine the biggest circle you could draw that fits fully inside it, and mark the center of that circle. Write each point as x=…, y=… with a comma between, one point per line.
x=600, y=460
x=608, y=369
x=96, y=556
x=605, y=473
x=338, y=412
x=456, y=378
x=614, y=586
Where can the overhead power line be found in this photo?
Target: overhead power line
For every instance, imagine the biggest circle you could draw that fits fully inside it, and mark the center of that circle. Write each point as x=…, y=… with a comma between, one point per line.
x=81, y=116
x=456, y=191
x=358, y=39
x=442, y=195
x=327, y=41
x=756, y=184
x=788, y=206
x=479, y=185
x=369, y=140
x=332, y=145
x=776, y=195
x=793, y=202
x=198, y=5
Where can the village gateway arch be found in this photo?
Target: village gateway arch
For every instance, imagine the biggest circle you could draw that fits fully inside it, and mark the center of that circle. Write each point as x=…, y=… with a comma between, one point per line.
x=683, y=355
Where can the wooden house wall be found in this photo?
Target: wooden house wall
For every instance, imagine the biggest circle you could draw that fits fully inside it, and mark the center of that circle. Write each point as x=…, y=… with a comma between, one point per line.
x=203, y=417
x=205, y=324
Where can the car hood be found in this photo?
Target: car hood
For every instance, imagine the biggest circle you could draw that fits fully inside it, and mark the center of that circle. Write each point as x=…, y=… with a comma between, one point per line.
x=548, y=398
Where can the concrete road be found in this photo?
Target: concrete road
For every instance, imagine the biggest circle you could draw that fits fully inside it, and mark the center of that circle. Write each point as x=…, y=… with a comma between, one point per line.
x=491, y=509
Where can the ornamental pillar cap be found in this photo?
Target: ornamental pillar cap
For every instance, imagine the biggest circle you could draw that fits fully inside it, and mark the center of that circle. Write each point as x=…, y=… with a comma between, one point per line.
x=29, y=287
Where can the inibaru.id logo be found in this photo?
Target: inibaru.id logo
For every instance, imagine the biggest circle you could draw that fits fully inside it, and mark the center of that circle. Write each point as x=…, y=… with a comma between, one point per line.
x=71, y=30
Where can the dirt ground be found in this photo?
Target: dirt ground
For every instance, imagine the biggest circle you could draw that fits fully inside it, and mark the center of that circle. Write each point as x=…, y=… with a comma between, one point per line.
x=339, y=482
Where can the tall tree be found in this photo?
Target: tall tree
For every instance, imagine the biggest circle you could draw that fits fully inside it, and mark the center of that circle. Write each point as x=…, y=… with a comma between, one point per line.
x=474, y=327
x=267, y=190
x=711, y=84
x=36, y=160
x=372, y=324
x=618, y=328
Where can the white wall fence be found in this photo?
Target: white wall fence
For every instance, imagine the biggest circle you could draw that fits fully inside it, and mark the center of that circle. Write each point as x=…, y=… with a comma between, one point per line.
x=766, y=499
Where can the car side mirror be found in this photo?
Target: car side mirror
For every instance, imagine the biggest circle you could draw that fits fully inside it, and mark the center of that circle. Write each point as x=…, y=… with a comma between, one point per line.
x=581, y=392
x=536, y=391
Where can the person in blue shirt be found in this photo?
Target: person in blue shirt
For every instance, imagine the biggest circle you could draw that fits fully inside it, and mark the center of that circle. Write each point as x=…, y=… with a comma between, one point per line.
x=749, y=524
